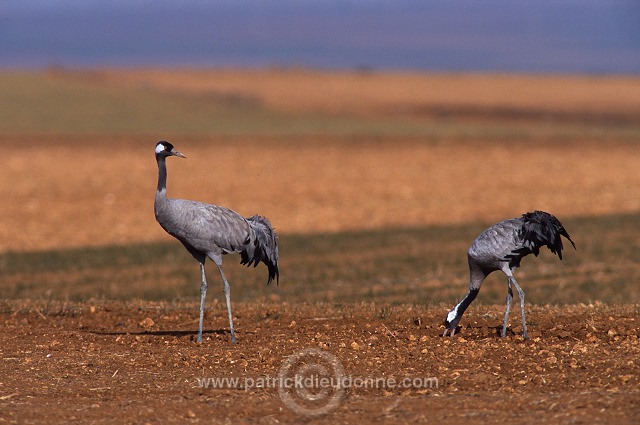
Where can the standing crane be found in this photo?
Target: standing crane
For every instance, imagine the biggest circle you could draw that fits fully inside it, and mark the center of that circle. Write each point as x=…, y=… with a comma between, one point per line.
x=211, y=231
x=502, y=247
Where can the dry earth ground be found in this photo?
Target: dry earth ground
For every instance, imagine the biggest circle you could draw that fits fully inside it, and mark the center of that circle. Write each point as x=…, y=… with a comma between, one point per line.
x=87, y=191
x=137, y=362
x=367, y=94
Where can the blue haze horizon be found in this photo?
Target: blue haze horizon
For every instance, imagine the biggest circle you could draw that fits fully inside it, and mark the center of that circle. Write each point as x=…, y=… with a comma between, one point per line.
x=585, y=37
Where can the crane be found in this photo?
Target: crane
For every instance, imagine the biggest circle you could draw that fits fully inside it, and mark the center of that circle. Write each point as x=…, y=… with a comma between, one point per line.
x=502, y=247
x=212, y=231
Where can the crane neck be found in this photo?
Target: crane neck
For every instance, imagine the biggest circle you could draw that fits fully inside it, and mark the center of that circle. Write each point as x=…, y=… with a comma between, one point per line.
x=456, y=312
x=162, y=176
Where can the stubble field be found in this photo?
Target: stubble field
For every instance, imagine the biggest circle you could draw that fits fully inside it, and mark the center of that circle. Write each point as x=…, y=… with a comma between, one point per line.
x=377, y=184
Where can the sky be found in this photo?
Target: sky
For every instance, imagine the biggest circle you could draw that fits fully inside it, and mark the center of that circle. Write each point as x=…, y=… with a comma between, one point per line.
x=586, y=36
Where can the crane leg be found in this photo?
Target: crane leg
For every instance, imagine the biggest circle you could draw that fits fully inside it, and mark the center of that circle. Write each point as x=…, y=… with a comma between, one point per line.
x=203, y=296
x=521, y=296
x=506, y=312
x=227, y=294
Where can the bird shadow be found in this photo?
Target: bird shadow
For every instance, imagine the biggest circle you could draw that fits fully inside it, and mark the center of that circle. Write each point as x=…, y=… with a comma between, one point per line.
x=173, y=333
x=493, y=331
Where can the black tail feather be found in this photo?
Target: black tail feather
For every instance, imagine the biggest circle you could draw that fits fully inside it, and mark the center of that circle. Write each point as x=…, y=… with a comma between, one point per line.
x=539, y=229
x=543, y=229
x=265, y=248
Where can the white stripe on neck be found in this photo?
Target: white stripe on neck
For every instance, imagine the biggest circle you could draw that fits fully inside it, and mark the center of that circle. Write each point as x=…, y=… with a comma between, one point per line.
x=453, y=313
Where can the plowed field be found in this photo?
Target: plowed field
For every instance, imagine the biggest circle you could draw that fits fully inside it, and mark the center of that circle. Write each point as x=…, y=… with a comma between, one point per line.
x=70, y=356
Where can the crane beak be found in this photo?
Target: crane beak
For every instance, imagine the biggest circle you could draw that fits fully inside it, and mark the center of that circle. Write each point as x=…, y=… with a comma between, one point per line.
x=177, y=153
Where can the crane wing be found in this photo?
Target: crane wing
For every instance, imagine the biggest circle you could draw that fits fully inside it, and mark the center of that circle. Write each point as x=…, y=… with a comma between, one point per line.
x=205, y=227
x=494, y=244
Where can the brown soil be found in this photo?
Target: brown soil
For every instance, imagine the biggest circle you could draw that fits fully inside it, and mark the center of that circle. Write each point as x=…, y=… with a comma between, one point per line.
x=383, y=93
x=71, y=192
x=138, y=363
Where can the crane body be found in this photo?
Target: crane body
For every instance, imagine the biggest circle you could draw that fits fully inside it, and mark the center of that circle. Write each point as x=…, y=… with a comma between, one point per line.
x=211, y=231
x=502, y=247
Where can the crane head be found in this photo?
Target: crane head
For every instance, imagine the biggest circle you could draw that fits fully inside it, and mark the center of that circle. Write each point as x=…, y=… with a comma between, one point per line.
x=455, y=314
x=451, y=321
x=165, y=149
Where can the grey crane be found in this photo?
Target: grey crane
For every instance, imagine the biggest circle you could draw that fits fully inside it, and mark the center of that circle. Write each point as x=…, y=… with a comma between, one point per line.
x=211, y=231
x=502, y=247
